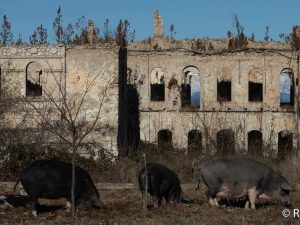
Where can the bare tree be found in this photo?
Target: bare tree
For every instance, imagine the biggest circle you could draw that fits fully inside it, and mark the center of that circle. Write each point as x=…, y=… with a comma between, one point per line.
x=6, y=36
x=19, y=40
x=63, y=114
x=172, y=32
x=122, y=32
x=240, y=40
x=39, y=36
x=107, y=32
x=57, y=26
x=267, y=37
x=81, y=31
x=286, y=38
x=68, y=34
x=238, y=26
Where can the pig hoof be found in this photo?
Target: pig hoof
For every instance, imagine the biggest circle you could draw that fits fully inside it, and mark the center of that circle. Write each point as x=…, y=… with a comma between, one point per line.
x=247, y=205
x=34, y=213
x=23, y=193
x=215, y=201
x=211, y=202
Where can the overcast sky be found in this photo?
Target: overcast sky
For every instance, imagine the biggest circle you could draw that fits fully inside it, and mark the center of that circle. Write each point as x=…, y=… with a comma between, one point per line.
x=191, y=18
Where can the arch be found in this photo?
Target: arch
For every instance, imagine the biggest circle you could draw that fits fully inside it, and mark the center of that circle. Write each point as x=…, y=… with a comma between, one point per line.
x=255, y=143
x=225, y=142
x=285, y=144
x=194, y=142
x=157, y=83
x=224, y=85
x=33, y=75
x=191, y=87
x=191, y=68
x=164, y=138
x=286, y=87
x=255, y=85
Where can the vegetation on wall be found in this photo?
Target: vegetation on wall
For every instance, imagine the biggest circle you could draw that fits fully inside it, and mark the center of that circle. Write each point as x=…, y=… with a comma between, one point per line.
x=39, y=36
x=239, y=41
x=77, y=33
x=6, y=36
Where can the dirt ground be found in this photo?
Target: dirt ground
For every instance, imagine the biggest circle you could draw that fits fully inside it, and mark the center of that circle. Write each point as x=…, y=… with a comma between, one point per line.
x=125, y=207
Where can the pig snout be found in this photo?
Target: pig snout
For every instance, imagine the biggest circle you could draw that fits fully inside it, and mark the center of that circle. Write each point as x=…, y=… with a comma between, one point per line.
x=98, y=204
x=185, y=199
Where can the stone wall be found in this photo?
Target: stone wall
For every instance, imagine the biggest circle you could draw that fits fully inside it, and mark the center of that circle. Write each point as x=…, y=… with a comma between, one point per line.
x=56, y=69
x=76, y=66
x=239, y=114
x=18, y=62
x=100, y=66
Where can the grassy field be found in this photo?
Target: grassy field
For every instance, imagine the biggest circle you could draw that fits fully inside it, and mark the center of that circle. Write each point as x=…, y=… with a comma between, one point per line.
x=124, y=206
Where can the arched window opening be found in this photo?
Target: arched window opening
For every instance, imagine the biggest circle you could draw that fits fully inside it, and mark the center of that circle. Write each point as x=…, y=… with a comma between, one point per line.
x=194, y=142
x=285, y=144
x=164, y=138
x=255, y=143
x=33, y=79
x=225, y=142
x=224, y=85
x=191, y=88
x=157, y=92
x=286, y=87
x=255, y=86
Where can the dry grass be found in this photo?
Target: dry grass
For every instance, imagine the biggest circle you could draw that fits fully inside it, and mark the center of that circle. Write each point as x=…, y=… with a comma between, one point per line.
x=125, y=207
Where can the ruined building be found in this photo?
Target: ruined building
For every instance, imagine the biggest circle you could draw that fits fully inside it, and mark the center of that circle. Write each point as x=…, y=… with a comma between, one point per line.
x=212, y=96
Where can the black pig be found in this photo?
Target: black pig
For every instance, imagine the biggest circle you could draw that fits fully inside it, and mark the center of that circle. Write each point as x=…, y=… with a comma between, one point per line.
x=52, y=179
x=161, y=183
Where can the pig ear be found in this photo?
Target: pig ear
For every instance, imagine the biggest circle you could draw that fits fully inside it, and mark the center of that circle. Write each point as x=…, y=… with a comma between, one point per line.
x=287, y=187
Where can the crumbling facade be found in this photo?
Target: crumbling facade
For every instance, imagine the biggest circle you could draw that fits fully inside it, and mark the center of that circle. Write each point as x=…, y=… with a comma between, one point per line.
x=243, y=108
x=241, y=101
x=42, y=74
x=185, y=93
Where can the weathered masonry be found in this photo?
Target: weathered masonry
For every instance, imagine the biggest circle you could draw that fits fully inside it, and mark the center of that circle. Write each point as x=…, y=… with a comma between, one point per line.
x=222, y=101
x=246, y=99
x=39, y=72
x=194, y=95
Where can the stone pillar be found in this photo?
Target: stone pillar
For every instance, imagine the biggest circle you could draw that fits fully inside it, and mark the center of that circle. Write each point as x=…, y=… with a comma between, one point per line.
x=158, y=25
x=296, y=38
x=158, y=30
x=91, y=32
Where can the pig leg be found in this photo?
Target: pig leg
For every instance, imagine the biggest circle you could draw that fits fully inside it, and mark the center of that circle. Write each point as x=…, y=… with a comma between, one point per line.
x=211, y=195
x=252, y=197
x=247, y=204
x=157, y=201
x=68, y=206
x=34, y=204
x=211, y=201
x=167, y=198
x=156, y=198
x=215, y=201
